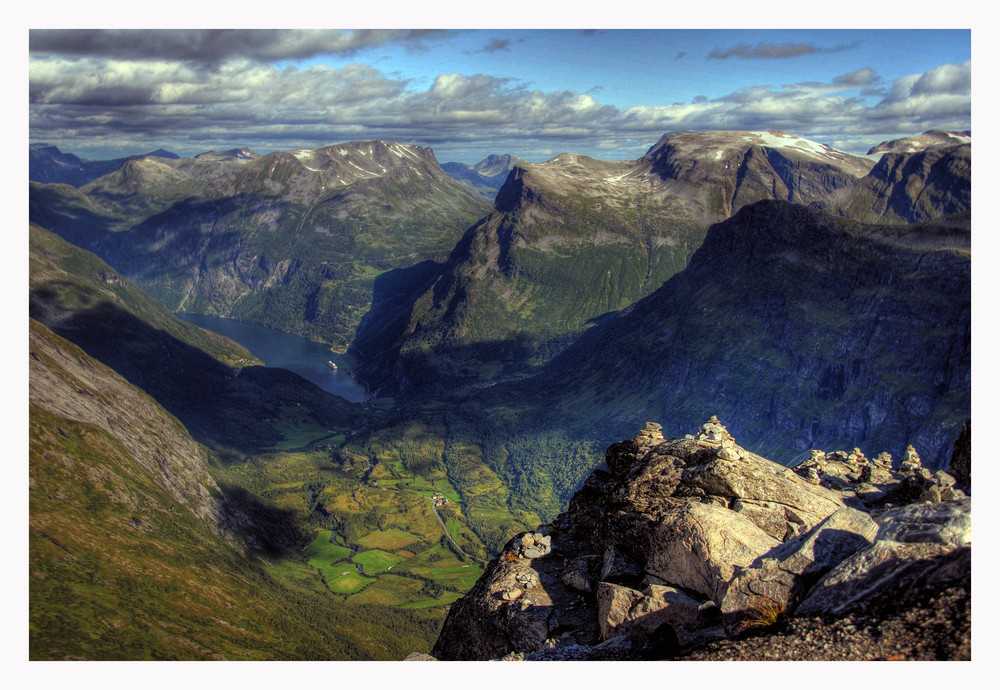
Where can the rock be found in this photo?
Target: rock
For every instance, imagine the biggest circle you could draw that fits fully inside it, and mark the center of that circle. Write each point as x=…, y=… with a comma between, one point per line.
x=620, y=456
x=881, y=578
x=532, y=552
x=948, y=523
x=613, y=605
x=697, y=547
x=918, y=547
x=780, y=579
x=576, y=574
x=618, y=565
x=663, y=606
x=419, y=656
x=960, y=465
x=511, y=594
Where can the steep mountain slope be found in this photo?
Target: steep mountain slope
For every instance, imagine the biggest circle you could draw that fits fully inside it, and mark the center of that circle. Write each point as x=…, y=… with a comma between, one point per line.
x=148, y=543
x=910, y=187
x=291, y=240
x=486, y=176
x=574, y=238
x=803, y=329
x=135, y=552
x=82, y=299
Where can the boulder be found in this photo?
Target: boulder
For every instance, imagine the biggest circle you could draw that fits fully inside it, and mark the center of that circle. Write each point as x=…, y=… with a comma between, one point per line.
x=918, y=546
x=779, y=580
x=948, y=523
x=878, y=579
x=613, y=605
x=698, y=545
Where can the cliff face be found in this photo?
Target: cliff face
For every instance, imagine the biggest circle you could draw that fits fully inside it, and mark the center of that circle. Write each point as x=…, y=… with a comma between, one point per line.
x=912, y=187
x=686, y=543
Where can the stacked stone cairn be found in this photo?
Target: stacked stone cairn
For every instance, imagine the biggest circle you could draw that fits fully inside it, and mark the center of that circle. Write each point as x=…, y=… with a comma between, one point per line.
x=533, y=545
x=874, y=482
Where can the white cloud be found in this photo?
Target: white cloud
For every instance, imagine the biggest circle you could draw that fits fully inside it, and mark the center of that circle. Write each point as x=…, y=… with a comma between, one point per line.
x=77, y=102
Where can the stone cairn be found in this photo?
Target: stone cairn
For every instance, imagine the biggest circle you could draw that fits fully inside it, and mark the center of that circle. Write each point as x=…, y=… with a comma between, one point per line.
x=874, y=481
x=533, y=545
x=652, y=435
x=714, y=432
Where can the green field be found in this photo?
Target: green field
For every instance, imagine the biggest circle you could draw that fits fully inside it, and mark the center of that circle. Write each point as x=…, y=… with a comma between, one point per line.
x=390, y=539
x=376, y=561
x=443, y=567
x=344, y=578
x=321, y=551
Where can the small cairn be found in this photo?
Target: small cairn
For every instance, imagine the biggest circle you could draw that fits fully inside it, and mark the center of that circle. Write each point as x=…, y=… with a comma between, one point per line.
x=652, y=434
x=533, y=545
x=714, y=432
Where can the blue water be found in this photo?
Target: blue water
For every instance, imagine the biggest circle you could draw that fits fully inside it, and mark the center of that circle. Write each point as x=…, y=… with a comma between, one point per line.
x=277, y=349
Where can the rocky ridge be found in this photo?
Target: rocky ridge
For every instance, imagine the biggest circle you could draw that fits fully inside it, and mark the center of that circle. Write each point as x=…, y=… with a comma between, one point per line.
x=292, y=240
x=932, y=137
x=698, y=548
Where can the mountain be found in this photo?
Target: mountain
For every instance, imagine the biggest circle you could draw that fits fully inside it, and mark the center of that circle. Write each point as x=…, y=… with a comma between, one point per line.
x=486, y=176
x=47, y=164
x=574, y=238
x=910, y=187
x=930, y=138
x=698, y=548
x=232, y=154
x=806, y=330
x=291, y=240
x=83, y=300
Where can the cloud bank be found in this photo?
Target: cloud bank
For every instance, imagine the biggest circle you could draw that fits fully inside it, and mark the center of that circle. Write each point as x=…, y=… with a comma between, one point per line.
x=192, y=91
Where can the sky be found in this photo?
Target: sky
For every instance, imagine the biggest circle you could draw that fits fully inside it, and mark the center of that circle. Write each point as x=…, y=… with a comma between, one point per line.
x=532, y=92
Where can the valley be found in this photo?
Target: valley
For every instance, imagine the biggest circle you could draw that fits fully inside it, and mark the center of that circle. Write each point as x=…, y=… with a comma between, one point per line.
x=487, y=355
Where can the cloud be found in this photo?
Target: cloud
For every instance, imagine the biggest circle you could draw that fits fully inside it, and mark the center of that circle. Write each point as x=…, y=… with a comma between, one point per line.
x=863, y=77
x=773, y=50
x=496, y=44
x=213, y=46
x=81, y=103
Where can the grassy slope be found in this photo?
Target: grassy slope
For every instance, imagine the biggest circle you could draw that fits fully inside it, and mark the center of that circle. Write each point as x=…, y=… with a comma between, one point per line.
x=120, y=568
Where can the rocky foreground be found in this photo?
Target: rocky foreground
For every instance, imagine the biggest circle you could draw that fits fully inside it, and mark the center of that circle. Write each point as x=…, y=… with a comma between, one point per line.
x=696, y=548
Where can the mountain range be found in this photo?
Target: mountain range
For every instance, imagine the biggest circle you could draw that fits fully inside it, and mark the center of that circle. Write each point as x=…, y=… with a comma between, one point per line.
x=810, y=297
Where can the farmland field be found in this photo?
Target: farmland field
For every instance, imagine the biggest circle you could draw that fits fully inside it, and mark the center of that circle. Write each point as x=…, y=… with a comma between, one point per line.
x=376, y=561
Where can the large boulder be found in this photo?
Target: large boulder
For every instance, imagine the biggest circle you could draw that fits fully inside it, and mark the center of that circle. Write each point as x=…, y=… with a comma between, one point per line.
x=776, y=582
x=698, y=546
x=918, y=547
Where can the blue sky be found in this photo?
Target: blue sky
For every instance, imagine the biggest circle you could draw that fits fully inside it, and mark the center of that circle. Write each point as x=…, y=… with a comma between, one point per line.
x=609, y=93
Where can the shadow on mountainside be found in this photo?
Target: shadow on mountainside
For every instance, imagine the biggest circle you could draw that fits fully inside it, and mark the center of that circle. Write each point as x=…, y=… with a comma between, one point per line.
x=214, y=402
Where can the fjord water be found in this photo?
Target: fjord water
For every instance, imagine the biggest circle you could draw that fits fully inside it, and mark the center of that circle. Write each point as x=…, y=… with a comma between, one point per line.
x=306, y=358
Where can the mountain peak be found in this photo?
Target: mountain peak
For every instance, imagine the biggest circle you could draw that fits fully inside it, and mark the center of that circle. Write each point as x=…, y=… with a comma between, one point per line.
x=929, y=139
